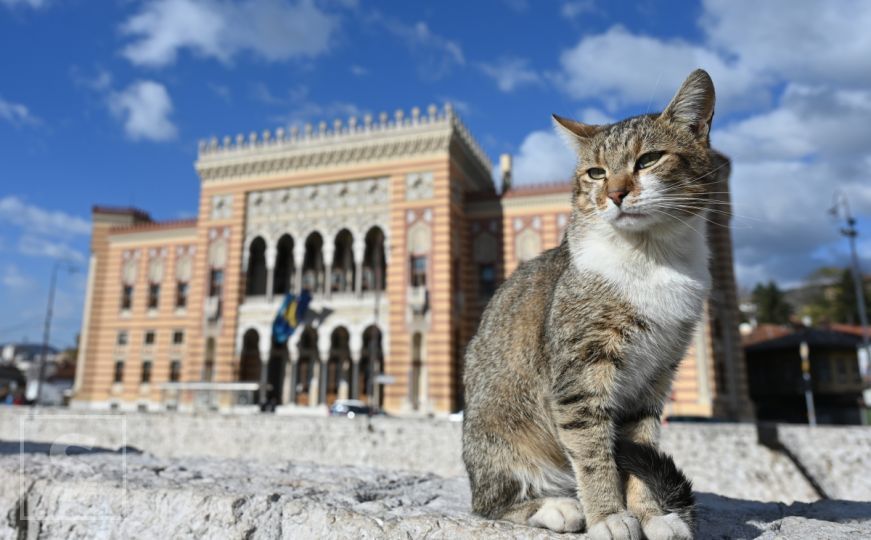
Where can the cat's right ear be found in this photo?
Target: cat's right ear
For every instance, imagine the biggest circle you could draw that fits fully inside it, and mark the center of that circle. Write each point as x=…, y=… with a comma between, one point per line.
x=576, y=133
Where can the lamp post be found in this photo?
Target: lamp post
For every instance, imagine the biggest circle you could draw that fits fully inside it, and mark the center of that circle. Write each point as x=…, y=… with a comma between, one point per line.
x=49, y=310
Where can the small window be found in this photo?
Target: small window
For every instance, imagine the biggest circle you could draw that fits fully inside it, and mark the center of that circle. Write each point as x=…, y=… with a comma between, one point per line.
x=149, y=337
x=127, y=297
x=146, y=372
x=842, y=370
x=181, y=294
x=418, y=270
x=119, y=371
x=178, y=337
x=153, y=295
x=216, y=282
x=121, y=338
x=486, y=281
x=175, y=371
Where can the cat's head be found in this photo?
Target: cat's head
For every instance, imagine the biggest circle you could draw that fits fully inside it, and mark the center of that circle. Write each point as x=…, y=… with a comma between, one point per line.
x=650, y=170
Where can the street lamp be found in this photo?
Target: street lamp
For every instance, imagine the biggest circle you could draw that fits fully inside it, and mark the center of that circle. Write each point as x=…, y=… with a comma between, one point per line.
x=70, y=268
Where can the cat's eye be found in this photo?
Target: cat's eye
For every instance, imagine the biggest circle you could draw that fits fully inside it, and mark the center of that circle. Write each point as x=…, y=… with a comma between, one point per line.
x=596, y=173
x=648, y=159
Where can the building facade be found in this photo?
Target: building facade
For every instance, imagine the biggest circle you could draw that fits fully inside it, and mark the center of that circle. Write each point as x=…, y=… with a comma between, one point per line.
x=396, y=226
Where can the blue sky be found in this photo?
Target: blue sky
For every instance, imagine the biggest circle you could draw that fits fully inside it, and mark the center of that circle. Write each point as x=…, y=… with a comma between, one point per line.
x=103, y=101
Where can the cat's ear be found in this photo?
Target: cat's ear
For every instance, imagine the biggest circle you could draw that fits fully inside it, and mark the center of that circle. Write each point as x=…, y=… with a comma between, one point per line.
x=574, y=132
x=693, y=105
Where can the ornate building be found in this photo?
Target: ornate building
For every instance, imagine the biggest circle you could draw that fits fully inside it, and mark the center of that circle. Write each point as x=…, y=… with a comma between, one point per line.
x=396, y=227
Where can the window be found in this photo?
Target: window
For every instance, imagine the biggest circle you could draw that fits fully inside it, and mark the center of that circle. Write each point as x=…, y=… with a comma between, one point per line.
x=146, y=372
x=153, y=295
x=175, y=371
x=178, y=337
x=119, y=371
x=181, y=294
x=149, y=337
x=121, y=339
x=842, y=370
x=486, y=281
x=418, y=270
x=216, y=282
x=127, y=297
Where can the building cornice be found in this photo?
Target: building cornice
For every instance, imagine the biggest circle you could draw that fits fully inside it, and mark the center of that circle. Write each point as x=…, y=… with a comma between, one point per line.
x=345, y=144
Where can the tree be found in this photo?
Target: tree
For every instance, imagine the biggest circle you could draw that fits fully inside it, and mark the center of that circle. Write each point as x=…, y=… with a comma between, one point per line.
x=771, y=306
x=846, y=305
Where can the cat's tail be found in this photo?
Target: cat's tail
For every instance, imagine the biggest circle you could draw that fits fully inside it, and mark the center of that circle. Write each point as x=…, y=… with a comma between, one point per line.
x=672, y=490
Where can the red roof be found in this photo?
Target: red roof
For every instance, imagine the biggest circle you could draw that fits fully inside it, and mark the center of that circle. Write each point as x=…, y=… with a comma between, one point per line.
x=156, y=225
x=765, y=332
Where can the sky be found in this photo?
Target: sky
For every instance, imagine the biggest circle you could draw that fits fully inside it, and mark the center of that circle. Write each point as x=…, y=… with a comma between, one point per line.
x=103, y=102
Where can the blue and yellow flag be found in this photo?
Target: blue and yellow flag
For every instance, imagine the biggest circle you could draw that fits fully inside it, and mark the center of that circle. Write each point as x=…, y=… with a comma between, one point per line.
x=290, y=314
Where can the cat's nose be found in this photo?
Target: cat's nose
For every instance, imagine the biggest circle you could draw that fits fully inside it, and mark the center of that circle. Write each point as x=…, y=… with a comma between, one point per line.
x=617, y=196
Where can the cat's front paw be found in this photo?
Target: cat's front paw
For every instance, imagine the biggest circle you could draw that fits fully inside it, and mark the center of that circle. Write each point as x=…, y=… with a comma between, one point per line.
x=667, y=527
x=619, y=526
x=559, y=514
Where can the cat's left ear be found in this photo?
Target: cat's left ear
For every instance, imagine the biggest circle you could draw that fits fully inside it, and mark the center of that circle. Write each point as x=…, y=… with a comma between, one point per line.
x=575, y=132
x=693, y=105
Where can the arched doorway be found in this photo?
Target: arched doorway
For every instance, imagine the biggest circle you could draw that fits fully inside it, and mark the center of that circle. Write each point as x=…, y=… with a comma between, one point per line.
x=338, y=365
x=416, y=378
x=313, y=264
x=275, y=371
x=371, y=365
x=305, y=366
x=255, y=284
x=249, y=363
x=284, y=266
x=344, y=270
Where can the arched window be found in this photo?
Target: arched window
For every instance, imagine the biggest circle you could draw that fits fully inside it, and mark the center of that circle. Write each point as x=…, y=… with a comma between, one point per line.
x=374, y=261
x=308, y=355
x=313, y=265
x=284, y=266
x=344, y=269
x=371, y=363
x=249, y=363
x=256, y=276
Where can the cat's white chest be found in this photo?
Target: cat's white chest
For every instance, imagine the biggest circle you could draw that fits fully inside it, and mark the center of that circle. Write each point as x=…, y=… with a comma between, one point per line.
x=667, y=293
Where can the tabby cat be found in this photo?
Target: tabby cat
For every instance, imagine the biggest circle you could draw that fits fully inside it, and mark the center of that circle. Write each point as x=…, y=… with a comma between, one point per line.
x=570, y=368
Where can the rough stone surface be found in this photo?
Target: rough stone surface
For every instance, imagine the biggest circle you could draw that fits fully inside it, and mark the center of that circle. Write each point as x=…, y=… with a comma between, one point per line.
x=720, y=458
x=101, y=494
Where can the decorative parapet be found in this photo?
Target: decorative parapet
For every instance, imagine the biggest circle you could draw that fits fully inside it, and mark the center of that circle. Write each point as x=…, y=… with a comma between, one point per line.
x=354, y=142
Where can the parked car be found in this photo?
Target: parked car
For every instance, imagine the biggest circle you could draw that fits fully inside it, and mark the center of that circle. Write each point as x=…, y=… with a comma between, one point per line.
x=351, y=408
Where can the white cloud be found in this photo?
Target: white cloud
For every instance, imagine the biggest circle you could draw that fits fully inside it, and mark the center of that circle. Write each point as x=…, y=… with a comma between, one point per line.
x=622, y=68
x=437, y=54
x=16, y=113
x=41, y=247
x=543, y=157
x=592, y=115
x=274, y=30
x=38, y=220
x=805, y=42
x=144, y=107
x=12, y=278
x=576, y=8
x=511, y=73
x=35, y=4
x=359, y=71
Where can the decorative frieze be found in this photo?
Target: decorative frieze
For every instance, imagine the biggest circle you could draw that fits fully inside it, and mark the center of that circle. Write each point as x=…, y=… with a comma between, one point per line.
x=384, y=139
x=222, y=207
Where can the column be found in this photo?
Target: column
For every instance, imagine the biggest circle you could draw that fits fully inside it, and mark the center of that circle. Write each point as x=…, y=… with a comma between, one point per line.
x=328, y=251
x=288, y=393
x=344, y=367
x=359, y=252
x=298, y=258
x=325, y=374
x=313, y=383
x=355, y=345
x=270, y=271
x=265, y=349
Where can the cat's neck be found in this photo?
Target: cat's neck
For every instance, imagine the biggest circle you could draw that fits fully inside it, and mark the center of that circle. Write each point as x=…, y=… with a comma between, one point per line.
x=599, y=247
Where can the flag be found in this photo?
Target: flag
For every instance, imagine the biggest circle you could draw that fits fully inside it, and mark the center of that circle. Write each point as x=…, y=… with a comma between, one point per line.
x=290, y=314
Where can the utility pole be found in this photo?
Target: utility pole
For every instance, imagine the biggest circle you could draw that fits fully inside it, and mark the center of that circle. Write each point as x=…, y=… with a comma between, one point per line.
x=849, y=230
x=46, y=332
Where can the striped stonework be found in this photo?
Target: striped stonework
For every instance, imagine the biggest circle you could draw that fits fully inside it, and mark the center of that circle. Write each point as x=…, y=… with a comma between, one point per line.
x=396, y=227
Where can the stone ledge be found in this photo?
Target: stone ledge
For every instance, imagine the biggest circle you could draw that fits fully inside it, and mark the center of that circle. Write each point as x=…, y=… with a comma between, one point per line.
x=136, y=495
